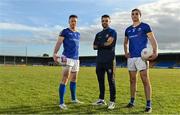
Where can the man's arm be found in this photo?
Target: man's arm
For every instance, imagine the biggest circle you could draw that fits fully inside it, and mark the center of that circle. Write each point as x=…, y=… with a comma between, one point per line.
x=109, y=41
x=106, y=44
x=127, y=55
x=95, y=43
x=56, y=49
x=153, y=41
x=95, y=47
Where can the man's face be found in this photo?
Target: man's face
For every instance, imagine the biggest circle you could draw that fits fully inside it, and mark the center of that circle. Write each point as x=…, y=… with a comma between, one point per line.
x=73, y=22
x=105, y=22
x=135, y=15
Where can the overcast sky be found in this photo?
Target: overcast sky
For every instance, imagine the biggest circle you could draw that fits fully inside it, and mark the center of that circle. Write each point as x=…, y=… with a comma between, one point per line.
x=36, y=24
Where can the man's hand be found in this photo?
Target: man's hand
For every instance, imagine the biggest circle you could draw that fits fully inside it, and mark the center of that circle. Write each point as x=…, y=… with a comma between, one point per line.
x=153, y=56
x=109, y=41
x=154, y=44
x=95, y=47
x=56, y=49
x=56, y=57
x=127, y=55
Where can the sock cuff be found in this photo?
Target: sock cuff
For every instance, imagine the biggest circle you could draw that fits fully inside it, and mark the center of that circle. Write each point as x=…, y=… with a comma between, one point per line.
x=148, y=104
x=62, y=85
x=148, y=101
x=72, y=84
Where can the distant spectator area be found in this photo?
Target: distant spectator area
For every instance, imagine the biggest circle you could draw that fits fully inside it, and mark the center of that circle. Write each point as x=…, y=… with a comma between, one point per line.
x=164, y=60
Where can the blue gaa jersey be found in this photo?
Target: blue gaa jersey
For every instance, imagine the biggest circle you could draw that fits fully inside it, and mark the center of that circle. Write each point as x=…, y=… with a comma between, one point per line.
x=70, y=43
x=138, y=38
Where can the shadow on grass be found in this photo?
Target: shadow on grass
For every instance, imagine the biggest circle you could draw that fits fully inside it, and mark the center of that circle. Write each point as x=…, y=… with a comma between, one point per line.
x=48, y=109
x=72, y=108
x=29, y=109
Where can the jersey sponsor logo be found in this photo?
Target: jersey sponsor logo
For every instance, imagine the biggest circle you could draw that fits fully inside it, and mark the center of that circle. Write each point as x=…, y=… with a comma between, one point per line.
x=133, y=36
x=76, y=40
x=99, y=37
x=71, y=34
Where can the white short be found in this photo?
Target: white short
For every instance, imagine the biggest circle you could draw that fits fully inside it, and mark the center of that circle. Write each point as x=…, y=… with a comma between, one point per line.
x=137, y=64
x=74, y=64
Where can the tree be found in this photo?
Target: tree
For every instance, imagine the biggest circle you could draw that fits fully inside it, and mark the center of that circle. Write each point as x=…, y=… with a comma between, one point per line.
x=45, y=55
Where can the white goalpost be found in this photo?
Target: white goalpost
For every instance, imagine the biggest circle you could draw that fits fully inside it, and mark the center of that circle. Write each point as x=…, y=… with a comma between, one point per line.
x=13, y=55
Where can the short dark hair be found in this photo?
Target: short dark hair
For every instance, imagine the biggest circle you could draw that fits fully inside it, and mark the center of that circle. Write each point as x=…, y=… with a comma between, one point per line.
x=138, y=10
x=73, y=16
x=105, y=16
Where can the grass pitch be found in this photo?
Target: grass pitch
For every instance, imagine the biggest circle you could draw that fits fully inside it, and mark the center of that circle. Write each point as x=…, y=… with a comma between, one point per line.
x=31, y=90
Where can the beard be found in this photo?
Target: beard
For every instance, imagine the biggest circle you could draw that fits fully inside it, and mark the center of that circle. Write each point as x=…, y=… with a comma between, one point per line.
x=135, y=19
x=104, y=25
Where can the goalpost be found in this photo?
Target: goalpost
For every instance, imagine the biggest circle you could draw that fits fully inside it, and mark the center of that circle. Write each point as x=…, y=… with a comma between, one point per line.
x=13, y=55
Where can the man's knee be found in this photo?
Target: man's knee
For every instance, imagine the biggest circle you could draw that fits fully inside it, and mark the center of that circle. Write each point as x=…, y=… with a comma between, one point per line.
x=133, y=80
x=144, y=77
x=64, y=80
x=65, y=75
x=73, y=76
x=146, y=82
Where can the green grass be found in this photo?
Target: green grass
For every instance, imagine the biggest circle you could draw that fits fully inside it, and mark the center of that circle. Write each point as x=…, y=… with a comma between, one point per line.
x=35, y=90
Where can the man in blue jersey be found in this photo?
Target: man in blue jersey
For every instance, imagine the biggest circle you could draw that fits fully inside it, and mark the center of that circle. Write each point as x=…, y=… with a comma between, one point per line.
x=69, y=37
x=105, y=42
x=137, y=36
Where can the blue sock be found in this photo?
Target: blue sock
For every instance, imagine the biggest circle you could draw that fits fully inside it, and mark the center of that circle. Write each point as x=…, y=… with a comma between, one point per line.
x=148, y=104
x=132, y=100
x=62, y=90
x=73, y=90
